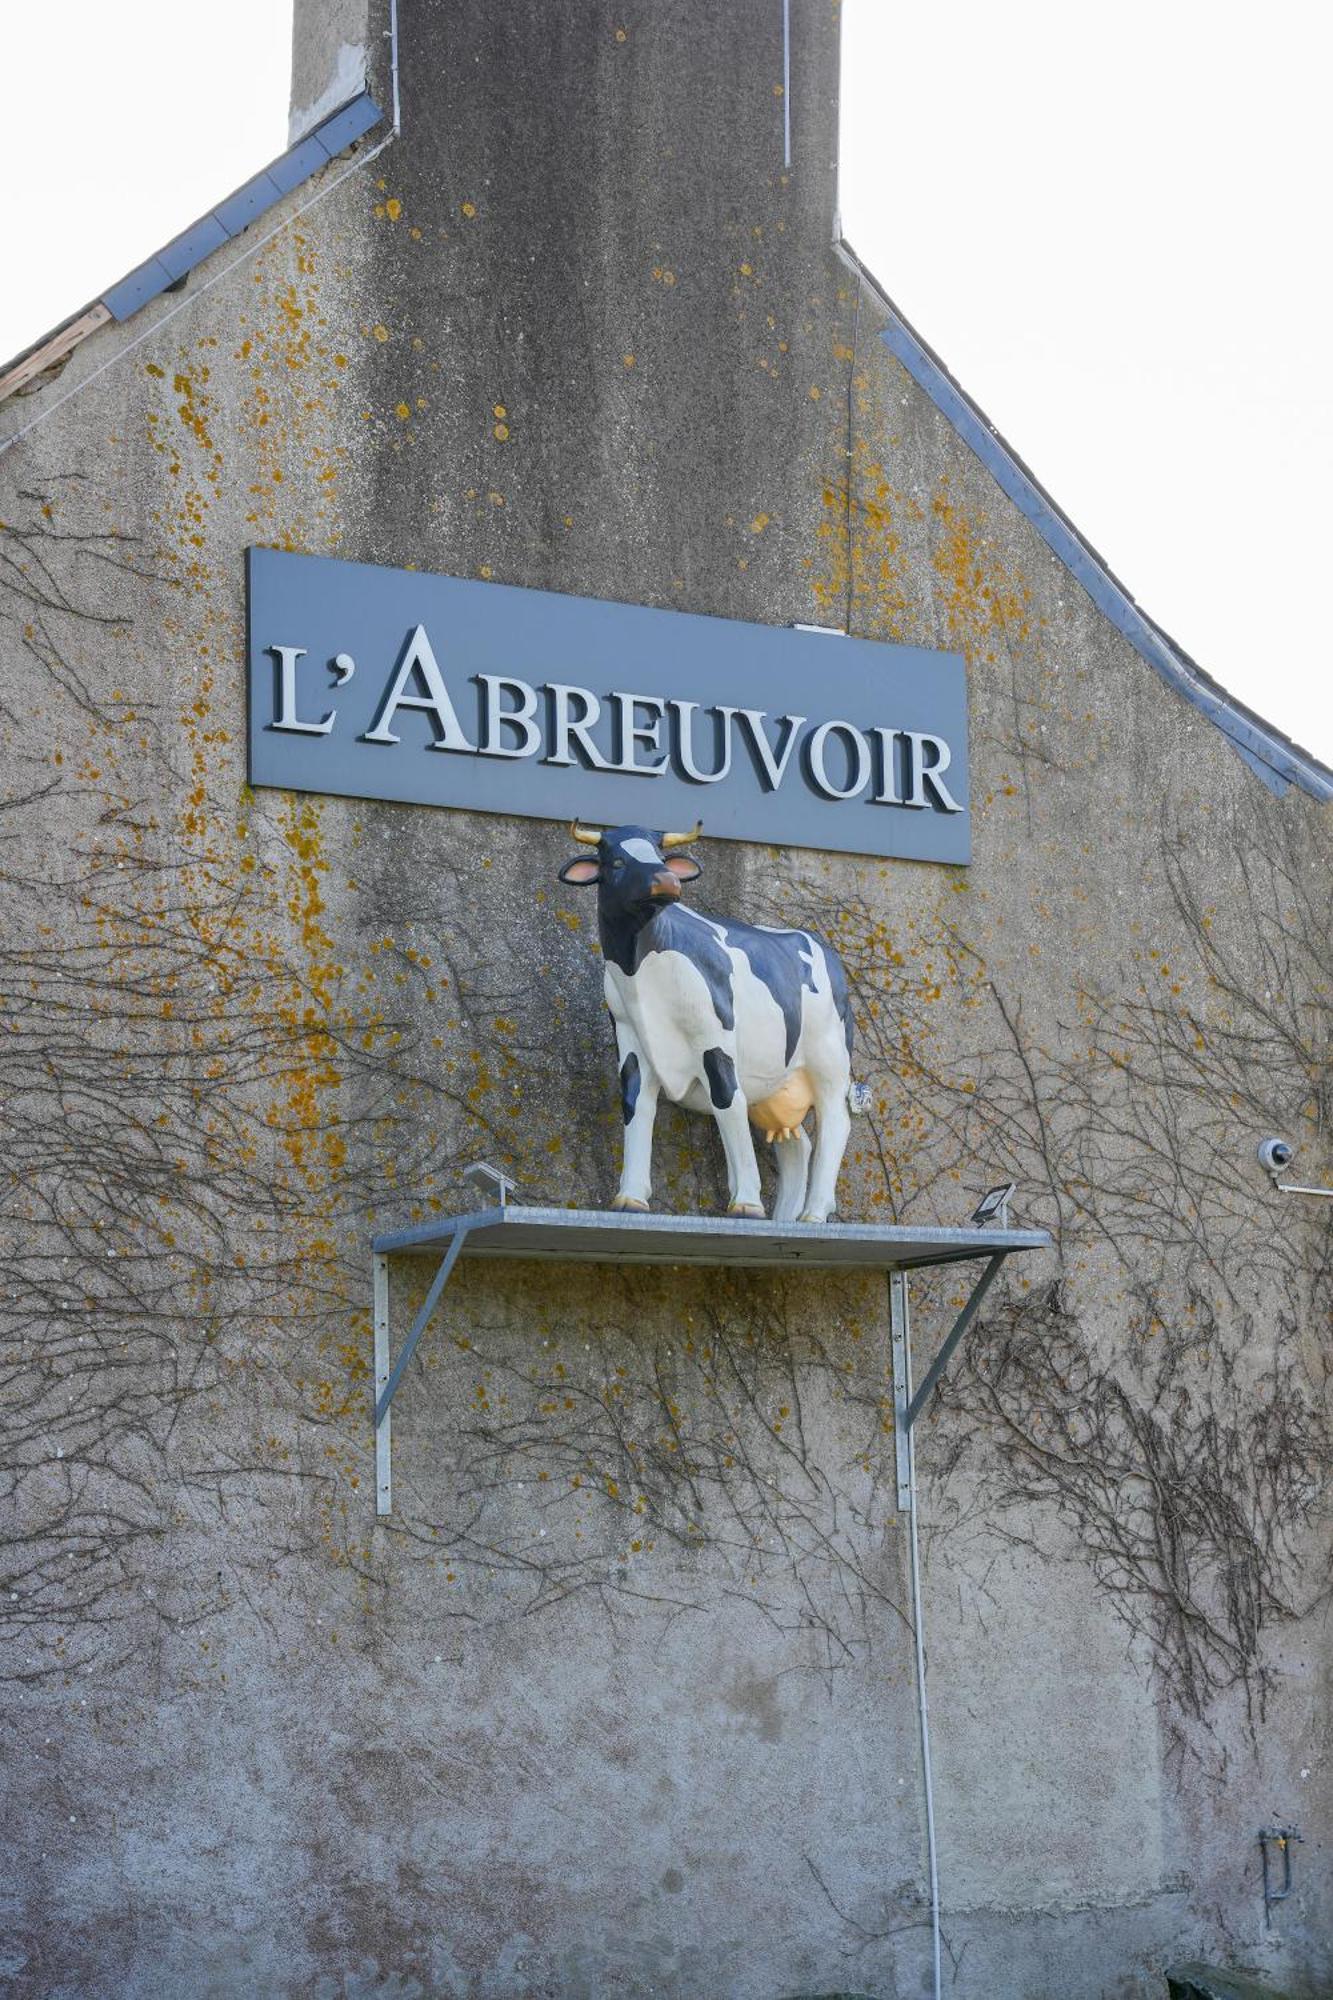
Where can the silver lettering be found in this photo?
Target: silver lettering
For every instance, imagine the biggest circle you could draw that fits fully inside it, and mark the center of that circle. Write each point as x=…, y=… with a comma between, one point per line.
x=754, y=719
x=567, y=726
x=631, y=733
x=496, y=719
x=685, y=742
x=419, y=657
x=922, y=774
x=859, y=763
x=887, y=794
x=286, y=717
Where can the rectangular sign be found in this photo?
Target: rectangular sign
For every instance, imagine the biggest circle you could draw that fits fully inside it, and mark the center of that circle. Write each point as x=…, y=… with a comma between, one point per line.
x=395, y=684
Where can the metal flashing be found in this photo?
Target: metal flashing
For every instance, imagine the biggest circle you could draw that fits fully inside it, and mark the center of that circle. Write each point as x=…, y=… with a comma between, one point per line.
x=245, y=205
x=249, y=201
x=342, y=128
x=192, y=246
x=1273, y=757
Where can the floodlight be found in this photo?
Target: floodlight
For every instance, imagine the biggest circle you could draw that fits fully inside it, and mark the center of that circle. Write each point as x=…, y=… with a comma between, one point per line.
x=994, y=1202
x=491, y=1178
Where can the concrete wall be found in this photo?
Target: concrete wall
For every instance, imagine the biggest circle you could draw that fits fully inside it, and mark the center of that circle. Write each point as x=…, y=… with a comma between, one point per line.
x=620, y=1700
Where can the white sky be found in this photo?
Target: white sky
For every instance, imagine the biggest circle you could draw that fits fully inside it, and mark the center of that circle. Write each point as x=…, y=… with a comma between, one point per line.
x=1113, y=226
x=126, y=120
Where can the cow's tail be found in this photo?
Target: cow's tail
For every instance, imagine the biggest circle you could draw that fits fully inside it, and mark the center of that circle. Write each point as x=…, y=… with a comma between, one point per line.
x=860, y=1097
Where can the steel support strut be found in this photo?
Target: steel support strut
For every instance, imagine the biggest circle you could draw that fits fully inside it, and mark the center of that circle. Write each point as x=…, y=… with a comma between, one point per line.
x=907, y=1407
x=900, y=1331
x=386, y=1379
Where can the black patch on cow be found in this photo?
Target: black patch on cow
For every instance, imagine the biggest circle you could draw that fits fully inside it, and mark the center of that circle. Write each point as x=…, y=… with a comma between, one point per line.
x=776, y=960
x=629, y=1086
x=626, y=904
x=721, y=1073
x=674, y=929
x=841, y=998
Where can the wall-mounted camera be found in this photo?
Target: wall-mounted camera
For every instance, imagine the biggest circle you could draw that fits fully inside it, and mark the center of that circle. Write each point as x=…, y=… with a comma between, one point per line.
x=1275, y=1155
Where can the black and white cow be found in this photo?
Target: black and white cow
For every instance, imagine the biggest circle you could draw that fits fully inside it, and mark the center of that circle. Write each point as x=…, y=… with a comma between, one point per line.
x=749, y=1023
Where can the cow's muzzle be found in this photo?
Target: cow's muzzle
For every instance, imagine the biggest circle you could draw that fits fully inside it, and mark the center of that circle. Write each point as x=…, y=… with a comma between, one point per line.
x=666, y=887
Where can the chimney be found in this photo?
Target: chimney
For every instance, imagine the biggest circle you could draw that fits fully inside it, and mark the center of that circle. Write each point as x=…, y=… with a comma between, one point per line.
x=332, y=44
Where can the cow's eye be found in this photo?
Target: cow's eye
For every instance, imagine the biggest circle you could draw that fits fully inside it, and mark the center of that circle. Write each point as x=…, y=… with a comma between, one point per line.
x=616, y=867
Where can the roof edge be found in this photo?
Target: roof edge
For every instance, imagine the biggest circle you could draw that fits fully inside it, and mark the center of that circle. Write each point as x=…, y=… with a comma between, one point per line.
x=169, y=267
x=1273, y=757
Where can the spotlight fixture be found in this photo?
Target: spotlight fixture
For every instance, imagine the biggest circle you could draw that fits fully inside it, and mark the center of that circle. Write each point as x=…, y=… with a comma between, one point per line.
x=492, y=1179
x=994, y=1202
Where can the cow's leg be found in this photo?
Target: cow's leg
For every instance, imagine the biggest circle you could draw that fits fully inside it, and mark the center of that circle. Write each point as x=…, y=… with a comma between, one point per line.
x=792, y=1158
x=832, y=1131
x=733, y=1122
x=639, y=1087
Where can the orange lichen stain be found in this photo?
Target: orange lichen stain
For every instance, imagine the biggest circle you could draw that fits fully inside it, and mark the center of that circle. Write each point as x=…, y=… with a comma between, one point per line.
x=988, y=610
x=468, y=208
x=863, y=557
x=393, y=208
x=248, y=896
x=380, y=331
x=402, y=412
x=621, y=34
x=500, y=431
x=628, y=360
x=759, y=523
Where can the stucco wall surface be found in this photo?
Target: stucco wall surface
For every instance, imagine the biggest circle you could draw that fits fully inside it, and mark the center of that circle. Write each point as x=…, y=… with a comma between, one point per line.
x=620, y=1699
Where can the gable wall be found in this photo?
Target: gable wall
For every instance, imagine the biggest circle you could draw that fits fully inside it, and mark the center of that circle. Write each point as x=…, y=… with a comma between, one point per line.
x=581, y=1718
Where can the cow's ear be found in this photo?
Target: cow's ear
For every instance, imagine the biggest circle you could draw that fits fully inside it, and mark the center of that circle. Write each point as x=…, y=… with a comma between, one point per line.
x=684, y=867
x=582, y=871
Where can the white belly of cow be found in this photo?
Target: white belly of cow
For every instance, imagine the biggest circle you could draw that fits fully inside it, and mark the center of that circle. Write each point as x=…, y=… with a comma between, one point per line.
x=670, y=1010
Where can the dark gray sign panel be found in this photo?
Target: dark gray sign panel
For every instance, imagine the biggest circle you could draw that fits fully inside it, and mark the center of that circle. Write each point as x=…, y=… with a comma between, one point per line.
x=395, y=684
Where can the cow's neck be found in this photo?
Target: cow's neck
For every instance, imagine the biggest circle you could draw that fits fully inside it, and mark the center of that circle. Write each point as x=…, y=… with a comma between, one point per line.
x=625, y=939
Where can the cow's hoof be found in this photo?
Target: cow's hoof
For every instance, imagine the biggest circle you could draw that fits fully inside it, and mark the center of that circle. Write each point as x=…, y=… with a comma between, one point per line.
x=814, y=1215
x=628, y=1201
x=749, y=1208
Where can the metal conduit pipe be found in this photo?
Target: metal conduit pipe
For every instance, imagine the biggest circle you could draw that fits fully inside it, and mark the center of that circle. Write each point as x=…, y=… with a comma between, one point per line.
x=922, y=1710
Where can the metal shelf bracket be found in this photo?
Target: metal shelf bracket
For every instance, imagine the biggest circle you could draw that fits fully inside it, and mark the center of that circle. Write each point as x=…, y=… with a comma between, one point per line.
x=907, y=1407
x=387, y=1379
x=620, y=1237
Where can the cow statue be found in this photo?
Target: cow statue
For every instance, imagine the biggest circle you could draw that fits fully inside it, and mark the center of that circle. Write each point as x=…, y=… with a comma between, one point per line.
x=745, y=1021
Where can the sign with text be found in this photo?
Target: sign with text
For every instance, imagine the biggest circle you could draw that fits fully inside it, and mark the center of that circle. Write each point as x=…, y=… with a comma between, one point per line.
x=394, y=684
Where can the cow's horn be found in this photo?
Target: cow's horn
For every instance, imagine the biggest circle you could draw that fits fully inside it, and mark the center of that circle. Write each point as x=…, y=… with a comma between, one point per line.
x=587, y=836
x=682, y=839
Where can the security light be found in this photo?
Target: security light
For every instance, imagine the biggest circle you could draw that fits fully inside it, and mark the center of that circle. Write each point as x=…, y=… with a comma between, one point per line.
x=492, y=1179
x=994, y=1202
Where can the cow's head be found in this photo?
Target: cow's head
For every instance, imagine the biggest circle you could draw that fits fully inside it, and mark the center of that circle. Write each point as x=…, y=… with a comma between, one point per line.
x=635, y=871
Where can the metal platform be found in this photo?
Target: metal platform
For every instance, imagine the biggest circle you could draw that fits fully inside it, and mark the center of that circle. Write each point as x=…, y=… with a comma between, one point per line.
x=608, y=1236
x=618, y=1236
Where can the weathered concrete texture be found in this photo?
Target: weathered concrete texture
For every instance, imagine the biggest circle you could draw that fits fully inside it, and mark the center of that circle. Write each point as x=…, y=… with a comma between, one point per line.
x=1206, y=1982
x=331, y=60
x=620, y=1700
